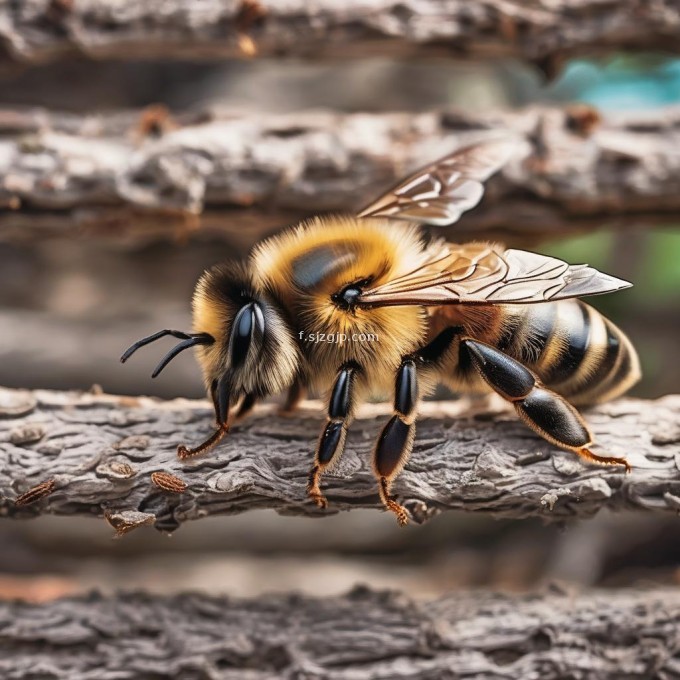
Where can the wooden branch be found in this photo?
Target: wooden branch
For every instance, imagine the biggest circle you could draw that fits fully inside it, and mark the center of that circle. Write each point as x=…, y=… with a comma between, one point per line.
x=542, y=33
x=244, y=176
x=94, y=455
x=364, y=635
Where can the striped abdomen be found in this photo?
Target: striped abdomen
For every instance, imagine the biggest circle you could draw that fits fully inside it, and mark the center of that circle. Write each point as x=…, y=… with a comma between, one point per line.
x=573, y=348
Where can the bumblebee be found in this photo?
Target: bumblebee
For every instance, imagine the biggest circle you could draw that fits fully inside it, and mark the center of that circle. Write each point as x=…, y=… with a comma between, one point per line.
x=405, y=314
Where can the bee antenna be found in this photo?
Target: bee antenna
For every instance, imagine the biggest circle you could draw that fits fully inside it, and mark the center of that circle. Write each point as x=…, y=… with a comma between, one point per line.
x=152, y=338
x=191, y=341
x=195, y=338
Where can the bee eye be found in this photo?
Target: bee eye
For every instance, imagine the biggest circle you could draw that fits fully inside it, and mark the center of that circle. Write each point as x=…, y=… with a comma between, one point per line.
x=247, y=322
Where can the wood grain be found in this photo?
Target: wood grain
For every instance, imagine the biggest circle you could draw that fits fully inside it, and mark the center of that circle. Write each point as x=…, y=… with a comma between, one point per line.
x=101, y=450
x=242, y=176
x=364, y=635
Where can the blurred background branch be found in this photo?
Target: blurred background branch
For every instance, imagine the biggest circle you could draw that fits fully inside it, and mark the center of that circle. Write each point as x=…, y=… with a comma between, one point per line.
x=543, y=33
x=367, y=634
x=151, y=175
x=85, y=454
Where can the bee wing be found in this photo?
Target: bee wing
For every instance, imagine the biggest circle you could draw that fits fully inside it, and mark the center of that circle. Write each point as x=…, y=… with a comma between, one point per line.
x=439, y=193
x=480, y=274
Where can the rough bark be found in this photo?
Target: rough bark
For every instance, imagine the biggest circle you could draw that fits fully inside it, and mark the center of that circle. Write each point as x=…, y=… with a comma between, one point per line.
x=544, y=33
x=89, y=454
x=365, y=635
x=243, y=176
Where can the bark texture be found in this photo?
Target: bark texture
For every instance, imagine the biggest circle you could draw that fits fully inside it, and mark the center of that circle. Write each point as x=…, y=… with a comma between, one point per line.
x=544, y=33
x=89, y=454
x=148, y=174
x=365, y=635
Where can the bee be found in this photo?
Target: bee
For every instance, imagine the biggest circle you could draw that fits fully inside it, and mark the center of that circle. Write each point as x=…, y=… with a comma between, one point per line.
x=406, y=313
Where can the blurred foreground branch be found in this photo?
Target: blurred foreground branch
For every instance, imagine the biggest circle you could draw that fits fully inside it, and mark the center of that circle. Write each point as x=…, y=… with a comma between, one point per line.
x=89, y=454
x=542, y=33
x=148, y=175
x=364, y=635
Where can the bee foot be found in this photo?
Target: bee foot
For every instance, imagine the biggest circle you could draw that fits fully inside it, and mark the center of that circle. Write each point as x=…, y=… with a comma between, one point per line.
x=399, y=511
x=183, y=452
x=319, y=499
x=391, y=504
x=604, y=460
x=314, y=490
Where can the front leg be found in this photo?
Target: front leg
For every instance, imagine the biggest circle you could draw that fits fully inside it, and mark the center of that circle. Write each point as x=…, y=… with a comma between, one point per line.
x=332, y=441
x=220, y=394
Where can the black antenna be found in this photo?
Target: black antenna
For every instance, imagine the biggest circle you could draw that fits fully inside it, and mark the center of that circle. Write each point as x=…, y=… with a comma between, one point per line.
x=189, y=340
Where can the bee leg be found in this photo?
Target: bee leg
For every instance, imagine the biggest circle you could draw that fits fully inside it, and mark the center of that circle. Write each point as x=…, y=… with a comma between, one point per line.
x=296, y=393
x=246, y=406
x=395, y=443
x=220, y=394
x=544, y=411
x=396, y=440
x=332, y=441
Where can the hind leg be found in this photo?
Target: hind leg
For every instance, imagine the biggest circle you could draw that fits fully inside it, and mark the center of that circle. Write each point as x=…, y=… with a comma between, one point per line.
x=544, y=411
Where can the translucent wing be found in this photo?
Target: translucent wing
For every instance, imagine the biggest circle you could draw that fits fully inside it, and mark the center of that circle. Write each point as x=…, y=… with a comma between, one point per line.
x=478, y=273
x=441, y=192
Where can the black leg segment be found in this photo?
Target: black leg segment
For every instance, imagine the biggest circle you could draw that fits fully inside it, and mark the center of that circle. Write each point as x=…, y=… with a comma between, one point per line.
x=247, y=405
x=406, y=389
x=503, y=373
x=220, y=391
x=395, y=440
x=544, y=411
x=332, y=441
x=554, y=416
x=394, y=445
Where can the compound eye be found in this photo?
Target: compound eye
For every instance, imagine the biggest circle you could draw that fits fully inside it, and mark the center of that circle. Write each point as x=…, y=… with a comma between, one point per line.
x=247, y=322
x=347, y=297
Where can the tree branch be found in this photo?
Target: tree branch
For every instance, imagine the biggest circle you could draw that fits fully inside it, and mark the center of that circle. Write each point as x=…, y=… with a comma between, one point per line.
x=243, y=176
x=544, y=34
x=364, y=635
x=99, y=452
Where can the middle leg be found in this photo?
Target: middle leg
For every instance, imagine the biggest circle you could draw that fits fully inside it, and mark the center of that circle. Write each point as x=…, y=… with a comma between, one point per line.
x=332, y=441
x=395, y=443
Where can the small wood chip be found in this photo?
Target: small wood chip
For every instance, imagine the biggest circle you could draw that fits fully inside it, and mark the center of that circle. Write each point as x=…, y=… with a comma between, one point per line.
x=127, y=520
x=26, y=434
x=116, y=470
x=16, y=403
x=168, y=482
x=36, y=493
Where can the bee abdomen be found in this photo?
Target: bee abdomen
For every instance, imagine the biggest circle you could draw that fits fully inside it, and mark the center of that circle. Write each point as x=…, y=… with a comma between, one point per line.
x=586, y=358
x=613, y=370
x=570, y=346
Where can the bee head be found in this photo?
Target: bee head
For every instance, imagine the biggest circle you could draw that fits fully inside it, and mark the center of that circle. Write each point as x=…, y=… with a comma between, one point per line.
x=254, y=352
